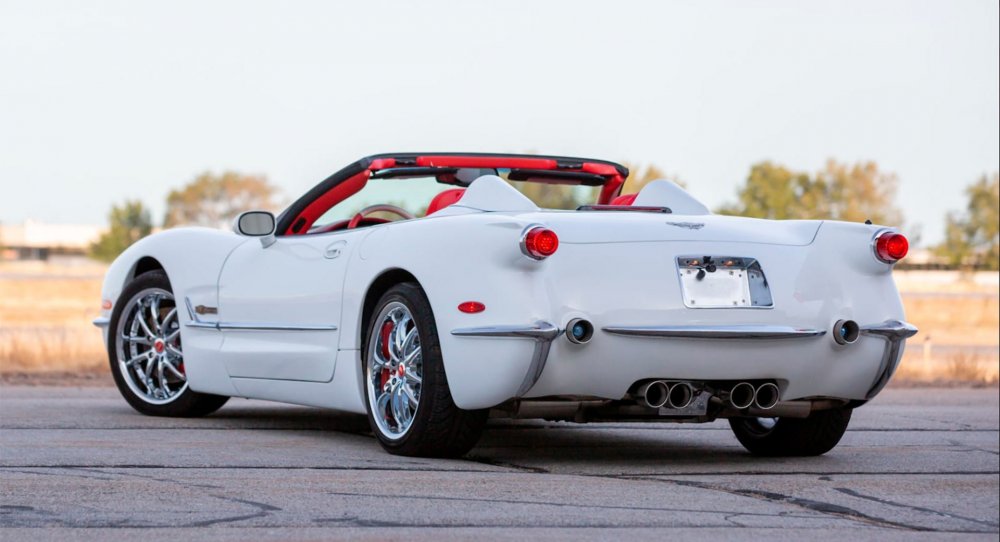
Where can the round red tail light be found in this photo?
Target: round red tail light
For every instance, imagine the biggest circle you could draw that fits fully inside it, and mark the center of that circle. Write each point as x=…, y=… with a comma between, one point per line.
x=891, y=247
x=539, y=243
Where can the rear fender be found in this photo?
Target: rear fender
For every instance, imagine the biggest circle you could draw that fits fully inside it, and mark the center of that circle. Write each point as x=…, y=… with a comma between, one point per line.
x=451, y=267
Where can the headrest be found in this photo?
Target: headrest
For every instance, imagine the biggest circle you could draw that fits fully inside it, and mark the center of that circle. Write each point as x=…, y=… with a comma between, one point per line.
x=444, y=199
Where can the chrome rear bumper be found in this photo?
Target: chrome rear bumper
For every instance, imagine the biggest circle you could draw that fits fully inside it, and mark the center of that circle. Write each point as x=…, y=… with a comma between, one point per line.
x=541, y=332
x=716, y=332
x=895, y=333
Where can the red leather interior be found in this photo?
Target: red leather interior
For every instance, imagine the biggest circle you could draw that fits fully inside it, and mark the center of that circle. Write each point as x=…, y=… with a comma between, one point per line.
x=624, y=199
x=323, y=203
x=444, y=199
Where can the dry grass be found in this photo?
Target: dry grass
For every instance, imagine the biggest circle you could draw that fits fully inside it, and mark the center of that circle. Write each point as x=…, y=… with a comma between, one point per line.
x=47, y=349
x=964, y=319
x=45, y=326
x=957, y=368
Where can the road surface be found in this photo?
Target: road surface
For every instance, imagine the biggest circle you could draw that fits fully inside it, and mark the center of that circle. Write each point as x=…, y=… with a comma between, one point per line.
x=79, y=463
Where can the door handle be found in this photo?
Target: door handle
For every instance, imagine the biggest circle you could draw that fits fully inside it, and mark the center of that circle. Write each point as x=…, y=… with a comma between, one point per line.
x=334, y=250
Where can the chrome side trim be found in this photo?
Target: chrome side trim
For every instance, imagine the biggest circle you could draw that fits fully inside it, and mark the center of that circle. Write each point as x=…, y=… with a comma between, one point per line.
x=196, y=322
x=541, y=332
x=102, y=321
x=266, y=326
x=755, y=332
x=895, y=334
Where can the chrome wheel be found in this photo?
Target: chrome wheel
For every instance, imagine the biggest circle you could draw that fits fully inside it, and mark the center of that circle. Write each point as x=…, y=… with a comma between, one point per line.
x=148, y=346
x=393, y=370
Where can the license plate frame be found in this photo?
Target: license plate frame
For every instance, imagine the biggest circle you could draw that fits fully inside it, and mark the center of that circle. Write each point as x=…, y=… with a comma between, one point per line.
x=723, y=282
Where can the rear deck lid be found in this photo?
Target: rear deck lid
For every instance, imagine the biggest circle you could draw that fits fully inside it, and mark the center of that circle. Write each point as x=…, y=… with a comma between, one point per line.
x=634, y=227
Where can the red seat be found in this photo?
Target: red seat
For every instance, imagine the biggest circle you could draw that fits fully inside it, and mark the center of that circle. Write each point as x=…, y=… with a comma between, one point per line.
x=624, y=200
x=444, y=199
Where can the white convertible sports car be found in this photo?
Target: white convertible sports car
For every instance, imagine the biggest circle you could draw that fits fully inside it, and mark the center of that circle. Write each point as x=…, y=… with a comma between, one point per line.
x=641, y=307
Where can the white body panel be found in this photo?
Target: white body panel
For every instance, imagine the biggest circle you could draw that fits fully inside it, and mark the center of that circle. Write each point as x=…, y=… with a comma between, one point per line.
x=294, y=284
x=612, y=268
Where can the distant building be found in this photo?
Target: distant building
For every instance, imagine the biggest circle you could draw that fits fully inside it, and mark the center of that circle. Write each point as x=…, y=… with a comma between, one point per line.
x=39, y=241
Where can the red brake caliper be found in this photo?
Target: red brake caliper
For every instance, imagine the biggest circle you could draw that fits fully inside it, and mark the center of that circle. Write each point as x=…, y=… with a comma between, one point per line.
x=385, y=333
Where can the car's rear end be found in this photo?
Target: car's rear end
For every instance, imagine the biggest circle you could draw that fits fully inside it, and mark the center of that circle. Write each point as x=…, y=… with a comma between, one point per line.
x=649, y=307
x=703, y=301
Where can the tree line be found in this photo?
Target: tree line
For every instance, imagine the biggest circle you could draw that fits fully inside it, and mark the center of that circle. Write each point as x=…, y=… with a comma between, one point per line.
x=210, y=200
x=838, y=191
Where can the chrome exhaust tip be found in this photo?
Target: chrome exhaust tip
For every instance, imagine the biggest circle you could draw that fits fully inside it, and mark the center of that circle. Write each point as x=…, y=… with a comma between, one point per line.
x=742, y=395
x=579, y=331
x=846, y=331
x=680, y=395
x=655, y=393
x=766, y=396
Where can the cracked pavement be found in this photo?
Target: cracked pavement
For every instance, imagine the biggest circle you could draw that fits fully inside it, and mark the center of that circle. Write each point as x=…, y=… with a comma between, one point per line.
x=78, y=463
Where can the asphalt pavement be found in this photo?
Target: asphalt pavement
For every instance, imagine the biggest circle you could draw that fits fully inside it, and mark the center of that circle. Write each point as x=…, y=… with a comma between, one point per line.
x=78, y=463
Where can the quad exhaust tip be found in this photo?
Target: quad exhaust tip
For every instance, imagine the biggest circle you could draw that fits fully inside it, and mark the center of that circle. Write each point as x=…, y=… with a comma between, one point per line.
x=681, y=395
x=846, y=331
x=579, y=331
x=660, y=393
x=742, y=395
x=766, y=396
x=655, y=394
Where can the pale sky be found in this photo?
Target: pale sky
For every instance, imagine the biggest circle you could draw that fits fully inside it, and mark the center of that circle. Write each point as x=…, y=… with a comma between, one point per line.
x=103, y=101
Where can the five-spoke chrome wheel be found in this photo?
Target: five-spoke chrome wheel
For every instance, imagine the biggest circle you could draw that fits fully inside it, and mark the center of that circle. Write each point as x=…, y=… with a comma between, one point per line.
x=148, y=345
x=394, y=369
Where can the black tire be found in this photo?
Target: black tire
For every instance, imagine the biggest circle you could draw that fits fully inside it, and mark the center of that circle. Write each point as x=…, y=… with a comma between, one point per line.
x=438, y=428
x=793, y=437
x=187, y=403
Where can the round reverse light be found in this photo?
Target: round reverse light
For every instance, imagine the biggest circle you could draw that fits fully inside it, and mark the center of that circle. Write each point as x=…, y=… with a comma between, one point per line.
x=890, y=247
x=471, y=307
x=539, y=243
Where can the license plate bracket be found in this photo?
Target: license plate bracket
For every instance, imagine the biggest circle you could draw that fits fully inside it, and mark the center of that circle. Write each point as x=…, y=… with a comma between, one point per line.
x=723, y=282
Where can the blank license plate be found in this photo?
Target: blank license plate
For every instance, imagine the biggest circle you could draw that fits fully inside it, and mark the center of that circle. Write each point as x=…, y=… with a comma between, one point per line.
x=723, y=288
x=722, y=282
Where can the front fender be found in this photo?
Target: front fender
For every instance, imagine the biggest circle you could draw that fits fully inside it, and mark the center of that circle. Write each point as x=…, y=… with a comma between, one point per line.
x=192, y=259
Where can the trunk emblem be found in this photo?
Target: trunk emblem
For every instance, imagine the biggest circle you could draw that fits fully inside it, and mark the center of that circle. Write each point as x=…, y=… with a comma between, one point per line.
x=688, y=225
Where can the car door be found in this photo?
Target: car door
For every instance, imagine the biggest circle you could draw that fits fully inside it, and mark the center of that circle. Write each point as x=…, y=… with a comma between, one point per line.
x=280, y=307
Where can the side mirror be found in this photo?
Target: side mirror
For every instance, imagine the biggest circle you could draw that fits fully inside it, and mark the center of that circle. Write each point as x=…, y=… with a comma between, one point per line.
x=256, y=224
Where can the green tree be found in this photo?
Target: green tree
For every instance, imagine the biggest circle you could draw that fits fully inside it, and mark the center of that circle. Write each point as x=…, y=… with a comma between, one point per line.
x=215, y=200
x=853, y=193
x=127, y=223
x=771, y=191
x=972, y=238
